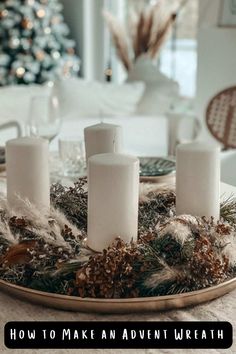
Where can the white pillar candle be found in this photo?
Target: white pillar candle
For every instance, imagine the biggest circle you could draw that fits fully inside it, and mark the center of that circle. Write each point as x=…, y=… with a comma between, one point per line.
x=103, y=138
x=27, y=164
x=113, y=192
x=198, y=180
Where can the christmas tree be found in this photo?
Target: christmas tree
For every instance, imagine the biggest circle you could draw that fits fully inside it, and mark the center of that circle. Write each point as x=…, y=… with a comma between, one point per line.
x=34, y=44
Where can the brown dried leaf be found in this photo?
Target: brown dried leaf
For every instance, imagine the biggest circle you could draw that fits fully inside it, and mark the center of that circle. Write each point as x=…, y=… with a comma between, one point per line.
x=18, y=254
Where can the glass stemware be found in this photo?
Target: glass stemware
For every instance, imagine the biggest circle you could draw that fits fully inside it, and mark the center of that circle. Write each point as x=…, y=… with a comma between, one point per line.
x=44, y=117
x=72, y=154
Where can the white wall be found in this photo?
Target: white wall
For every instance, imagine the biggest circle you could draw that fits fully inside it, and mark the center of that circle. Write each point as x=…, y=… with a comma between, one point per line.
x=209, y=13
x=216, y=58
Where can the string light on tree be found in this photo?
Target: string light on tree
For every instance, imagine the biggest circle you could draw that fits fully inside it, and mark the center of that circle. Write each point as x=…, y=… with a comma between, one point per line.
x=56, y=55
x=20, y=71
x=41, y=13
x=26, y=23
x=14, y=42
x=3, y=13
x=40, y=55
x=47, y=30
x=34, y=43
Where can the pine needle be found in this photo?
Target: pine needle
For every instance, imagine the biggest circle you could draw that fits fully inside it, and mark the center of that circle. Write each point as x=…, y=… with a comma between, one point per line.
x=228, y=210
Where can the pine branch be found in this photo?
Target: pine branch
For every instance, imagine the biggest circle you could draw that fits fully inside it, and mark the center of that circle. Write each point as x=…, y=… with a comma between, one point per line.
x=228, y=210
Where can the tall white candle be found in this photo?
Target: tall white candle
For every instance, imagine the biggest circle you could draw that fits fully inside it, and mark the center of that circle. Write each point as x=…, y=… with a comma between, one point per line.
x=27, y=167
x=103, y=138
x=113, y=192
x=198, y=180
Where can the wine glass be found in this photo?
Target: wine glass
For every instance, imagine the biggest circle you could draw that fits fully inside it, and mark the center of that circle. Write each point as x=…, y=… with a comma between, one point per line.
x=44, y=117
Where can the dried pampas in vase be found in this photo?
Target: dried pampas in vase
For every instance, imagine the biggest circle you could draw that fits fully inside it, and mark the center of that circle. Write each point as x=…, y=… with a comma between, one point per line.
x=119, y=38
x=148, y=30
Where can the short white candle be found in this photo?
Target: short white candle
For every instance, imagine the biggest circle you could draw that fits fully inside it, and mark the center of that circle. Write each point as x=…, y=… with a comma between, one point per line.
x=103, y=138
x=113, y=193
x=198, y=180
x=27, y=164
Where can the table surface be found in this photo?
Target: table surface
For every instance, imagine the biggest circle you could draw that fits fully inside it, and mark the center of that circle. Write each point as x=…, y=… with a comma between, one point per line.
x=222, y=309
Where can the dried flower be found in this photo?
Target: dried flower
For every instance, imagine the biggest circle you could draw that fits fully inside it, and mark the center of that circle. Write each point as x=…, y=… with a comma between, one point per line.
x=111, y=274
x=148, y=30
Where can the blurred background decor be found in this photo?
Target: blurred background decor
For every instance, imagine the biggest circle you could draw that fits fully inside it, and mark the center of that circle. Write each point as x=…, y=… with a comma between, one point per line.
x=159, y=97
x=138, y=48
x=148, y=30
x=227, y=13
x=44, y=118
x=34, y=43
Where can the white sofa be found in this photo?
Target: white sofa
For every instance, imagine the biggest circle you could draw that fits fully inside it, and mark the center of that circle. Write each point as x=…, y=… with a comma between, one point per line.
x=85, y=103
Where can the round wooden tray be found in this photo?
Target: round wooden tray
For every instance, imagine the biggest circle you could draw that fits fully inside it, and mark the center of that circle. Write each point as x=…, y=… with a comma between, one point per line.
x=145, y=304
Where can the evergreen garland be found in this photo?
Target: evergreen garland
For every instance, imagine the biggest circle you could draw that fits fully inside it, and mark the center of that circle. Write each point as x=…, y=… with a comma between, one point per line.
x=172, y=255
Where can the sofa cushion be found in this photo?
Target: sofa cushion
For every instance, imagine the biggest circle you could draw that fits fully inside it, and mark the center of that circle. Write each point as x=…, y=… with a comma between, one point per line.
x=80, y=98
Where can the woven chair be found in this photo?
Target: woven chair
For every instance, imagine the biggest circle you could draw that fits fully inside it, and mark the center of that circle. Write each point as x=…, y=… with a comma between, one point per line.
x=221, y=117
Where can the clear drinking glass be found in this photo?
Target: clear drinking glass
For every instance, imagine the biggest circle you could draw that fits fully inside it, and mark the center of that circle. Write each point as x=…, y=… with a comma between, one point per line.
x=44, y=117
x=72, y=154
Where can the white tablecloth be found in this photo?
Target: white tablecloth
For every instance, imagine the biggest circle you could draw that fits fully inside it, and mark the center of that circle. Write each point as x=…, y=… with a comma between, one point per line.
x=222, y=309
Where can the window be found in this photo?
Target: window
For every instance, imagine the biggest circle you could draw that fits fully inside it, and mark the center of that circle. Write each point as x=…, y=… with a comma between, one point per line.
x=179, y=56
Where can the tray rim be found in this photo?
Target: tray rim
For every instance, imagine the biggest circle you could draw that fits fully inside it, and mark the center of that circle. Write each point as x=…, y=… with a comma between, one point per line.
x=124, y=305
